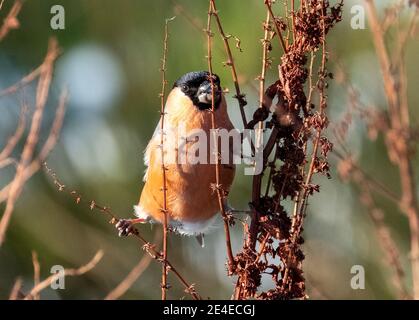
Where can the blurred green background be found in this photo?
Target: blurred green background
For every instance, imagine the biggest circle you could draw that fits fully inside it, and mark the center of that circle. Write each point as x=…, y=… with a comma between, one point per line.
x=110, y=62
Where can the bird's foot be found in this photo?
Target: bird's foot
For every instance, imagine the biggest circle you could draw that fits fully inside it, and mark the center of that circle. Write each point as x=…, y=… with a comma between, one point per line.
x=200, y=239
x=126, y=226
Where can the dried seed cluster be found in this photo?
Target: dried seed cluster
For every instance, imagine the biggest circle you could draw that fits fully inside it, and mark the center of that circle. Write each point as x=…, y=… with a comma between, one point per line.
x=297, y=126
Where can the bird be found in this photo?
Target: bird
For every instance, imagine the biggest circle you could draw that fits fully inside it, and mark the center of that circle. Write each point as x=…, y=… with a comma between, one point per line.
x=191, y=201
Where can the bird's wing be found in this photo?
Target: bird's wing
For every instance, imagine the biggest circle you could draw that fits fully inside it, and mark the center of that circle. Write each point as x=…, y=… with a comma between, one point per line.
x=152, y=144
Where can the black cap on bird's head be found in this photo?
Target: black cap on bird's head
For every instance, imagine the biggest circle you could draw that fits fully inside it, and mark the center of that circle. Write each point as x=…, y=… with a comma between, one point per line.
x=197, y=86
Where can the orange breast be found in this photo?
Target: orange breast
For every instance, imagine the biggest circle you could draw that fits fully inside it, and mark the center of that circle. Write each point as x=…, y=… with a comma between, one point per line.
x=190, y=187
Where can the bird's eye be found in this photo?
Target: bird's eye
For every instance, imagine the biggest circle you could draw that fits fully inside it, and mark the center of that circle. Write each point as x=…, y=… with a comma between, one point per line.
x=185, y=87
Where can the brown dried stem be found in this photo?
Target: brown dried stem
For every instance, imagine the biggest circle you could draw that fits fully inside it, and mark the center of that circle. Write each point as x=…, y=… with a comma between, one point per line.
x=10, y=22
x=36, y=272
x=218, y=186
x=16, y=292
x=293, y=18
x=14, y=139
x=397, y=139
x=257, y=179
x=49, y=144
x=105, y=210
x=294, y=122
x=268, y=4
x=373, y=183
x=300, y=208
x=33, y=136
x=22, y=82
x=67, y=272
x=134, y=274
x=348, y=169
x=230, y=62
x=164, y=285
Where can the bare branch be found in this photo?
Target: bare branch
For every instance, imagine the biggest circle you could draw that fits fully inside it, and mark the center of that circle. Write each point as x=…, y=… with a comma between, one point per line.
x=230, y=62
x=14, y=139
x=218, y=188
x=165, y=270
x=134, y=274
x=22, y=82
x=67, y=272
x=10, y=22
x=33, y=136
x=36, y=272
x=16, y=292
x=105, y=210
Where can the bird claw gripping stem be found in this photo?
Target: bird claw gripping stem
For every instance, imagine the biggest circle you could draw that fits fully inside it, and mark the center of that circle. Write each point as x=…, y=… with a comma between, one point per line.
x=126, y=227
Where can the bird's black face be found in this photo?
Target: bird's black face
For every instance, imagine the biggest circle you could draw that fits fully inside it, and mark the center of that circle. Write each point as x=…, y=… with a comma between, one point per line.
x=197, y=86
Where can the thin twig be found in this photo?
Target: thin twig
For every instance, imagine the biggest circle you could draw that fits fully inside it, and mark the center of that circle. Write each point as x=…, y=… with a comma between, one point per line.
x=133, y=275
x=150, y=248
x=300, y=209
x=10, y=22
x=372, y=182
x=384, y=60
x=164, y=210
x=67, y=272
x=397, y=143
x=293, y=19
x=348, y=169
x=14, y=139
x=49, y=144
x=257, y=179
x=16, y=292
x=230, y=62
x=218, y=186
x=22, y=82
x=36, y=272
x=265, y=65
x=33, y=136
x=268, y=4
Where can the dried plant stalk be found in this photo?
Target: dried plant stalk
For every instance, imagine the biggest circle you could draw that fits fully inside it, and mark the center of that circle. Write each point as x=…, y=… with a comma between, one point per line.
x=10, y=22
x=16, y=293
x=14, y=139
x=148, y=247
x=395, y=125
x=294, y=128
x=294, y=125
x=164, y=210
x=134, y=274
x=49, y=144
x=398, y=144
x=349, y=170
x=67, y=272
x=230, y=62
x=36, y=272
x=218, y=187
x=32, y=139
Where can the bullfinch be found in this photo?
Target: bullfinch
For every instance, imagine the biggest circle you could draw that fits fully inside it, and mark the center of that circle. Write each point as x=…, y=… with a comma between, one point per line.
x=192, y=203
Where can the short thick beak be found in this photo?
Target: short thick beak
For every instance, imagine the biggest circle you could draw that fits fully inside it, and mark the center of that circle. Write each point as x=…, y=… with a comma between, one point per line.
x=204, y=93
